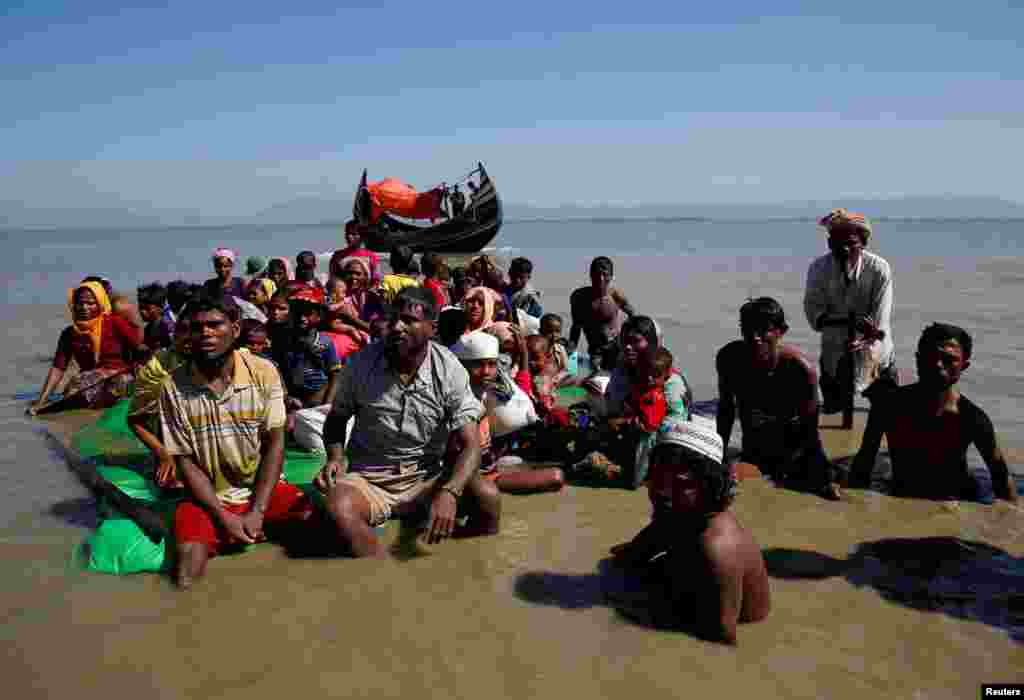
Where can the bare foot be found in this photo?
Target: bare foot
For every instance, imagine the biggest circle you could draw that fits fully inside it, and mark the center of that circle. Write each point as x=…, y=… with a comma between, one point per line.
x=831, y=492
x=192, y=558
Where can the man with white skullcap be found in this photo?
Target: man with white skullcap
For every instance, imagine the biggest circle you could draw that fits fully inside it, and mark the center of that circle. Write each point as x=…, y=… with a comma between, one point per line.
x=716, y=574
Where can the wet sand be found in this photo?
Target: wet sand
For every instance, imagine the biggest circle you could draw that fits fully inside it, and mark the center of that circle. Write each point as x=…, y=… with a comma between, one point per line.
x=526, y=613
x=522, y=614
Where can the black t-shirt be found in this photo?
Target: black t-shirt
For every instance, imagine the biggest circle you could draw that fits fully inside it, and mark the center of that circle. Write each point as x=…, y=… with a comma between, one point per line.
x=929, y=452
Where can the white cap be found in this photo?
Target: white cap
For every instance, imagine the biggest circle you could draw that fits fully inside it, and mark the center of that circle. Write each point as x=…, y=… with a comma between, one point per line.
x=699, y=437
x=476, y=346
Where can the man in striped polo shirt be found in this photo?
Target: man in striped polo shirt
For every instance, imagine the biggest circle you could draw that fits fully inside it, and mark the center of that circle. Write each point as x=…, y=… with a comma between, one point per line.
x=222, y=417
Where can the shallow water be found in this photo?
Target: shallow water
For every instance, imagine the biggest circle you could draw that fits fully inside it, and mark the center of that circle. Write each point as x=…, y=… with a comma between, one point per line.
x=526, y=613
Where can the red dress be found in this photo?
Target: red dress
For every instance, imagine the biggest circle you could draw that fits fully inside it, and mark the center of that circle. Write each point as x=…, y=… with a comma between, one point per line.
x=118, y=340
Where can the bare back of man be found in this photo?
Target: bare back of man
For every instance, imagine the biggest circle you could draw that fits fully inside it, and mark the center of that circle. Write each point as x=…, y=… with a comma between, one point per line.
x=727, y=561
x=714, y=579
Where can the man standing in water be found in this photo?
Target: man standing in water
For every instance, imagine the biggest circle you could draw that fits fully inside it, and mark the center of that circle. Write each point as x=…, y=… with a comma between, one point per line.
x=929, y=426
x=850, y=280
x=774, y=387
x=598, y=311
x=222, y=418
x=407, y=395
x=716, y=574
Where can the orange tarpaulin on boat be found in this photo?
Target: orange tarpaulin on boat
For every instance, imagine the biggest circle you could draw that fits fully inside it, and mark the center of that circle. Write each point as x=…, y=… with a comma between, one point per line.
x=395, y=197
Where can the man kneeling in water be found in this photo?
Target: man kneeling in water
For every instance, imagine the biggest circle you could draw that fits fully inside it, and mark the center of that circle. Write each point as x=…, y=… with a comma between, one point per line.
x=716, y=573
x=929, y=425
x=772, y=386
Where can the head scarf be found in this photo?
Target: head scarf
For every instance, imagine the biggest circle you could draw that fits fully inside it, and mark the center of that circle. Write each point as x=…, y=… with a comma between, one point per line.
x=842, y=217
x=361, y=262
x=354, y=301
x=225, y=253
x=255, y=265
x=93, y=328
x=488, y=298
x=287, y=265
x=268, y=286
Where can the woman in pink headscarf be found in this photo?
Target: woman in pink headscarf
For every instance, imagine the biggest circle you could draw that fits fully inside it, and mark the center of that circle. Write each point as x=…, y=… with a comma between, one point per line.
x=224, y=282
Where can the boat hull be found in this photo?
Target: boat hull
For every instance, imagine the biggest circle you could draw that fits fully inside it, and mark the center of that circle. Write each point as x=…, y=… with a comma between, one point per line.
x=469, y=232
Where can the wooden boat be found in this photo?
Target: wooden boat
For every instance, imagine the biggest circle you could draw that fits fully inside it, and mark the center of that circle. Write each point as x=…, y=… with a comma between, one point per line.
x=468, y=232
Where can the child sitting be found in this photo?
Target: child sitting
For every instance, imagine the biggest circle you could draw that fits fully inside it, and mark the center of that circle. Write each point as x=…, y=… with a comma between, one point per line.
x=311, y=367
x=478, y=353
x=551, y=328
x=254, y=338
x=715, y=571
x=158, y=332
x=333, y=323
x=279, y=325
x=545, y=377
x=646, y=406
x=259, y=292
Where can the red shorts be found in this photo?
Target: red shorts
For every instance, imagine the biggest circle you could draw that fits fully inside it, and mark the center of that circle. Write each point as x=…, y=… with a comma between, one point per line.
x=192, y=523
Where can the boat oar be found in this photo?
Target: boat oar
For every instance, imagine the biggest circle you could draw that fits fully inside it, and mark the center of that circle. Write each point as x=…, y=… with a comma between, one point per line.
x=137, y=510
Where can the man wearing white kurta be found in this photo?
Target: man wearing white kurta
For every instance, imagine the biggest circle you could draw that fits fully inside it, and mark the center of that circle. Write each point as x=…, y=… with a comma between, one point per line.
x=850, y=280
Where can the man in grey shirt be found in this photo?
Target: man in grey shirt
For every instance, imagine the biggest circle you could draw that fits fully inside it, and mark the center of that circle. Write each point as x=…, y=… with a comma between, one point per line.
x=407, y=396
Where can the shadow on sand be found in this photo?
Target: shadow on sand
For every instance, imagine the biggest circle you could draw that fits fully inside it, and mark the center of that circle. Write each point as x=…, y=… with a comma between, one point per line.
x=962, y=579
x=638, y=596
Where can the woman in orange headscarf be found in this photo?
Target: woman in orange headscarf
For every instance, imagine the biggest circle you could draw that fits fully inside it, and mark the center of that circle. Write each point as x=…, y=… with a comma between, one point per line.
x=102, y=344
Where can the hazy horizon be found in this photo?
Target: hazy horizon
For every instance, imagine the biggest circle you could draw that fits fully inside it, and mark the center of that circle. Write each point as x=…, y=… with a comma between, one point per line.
x=317, y=211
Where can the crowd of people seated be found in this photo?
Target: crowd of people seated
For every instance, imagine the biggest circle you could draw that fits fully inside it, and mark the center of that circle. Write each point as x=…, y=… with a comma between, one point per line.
x=430, y=389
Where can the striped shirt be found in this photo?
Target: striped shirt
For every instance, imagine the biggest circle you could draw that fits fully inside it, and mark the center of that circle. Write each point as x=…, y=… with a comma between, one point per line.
x=223, y=433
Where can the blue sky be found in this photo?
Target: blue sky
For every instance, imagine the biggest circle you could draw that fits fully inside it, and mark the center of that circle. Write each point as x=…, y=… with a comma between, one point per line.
x=227, y=108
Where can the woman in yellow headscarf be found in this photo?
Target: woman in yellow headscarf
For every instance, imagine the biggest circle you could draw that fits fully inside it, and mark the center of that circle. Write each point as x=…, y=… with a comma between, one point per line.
x=102, y=344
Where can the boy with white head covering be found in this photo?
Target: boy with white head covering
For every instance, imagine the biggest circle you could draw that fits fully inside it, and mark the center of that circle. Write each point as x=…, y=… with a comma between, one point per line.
x=716, y=574
x=478, y=352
